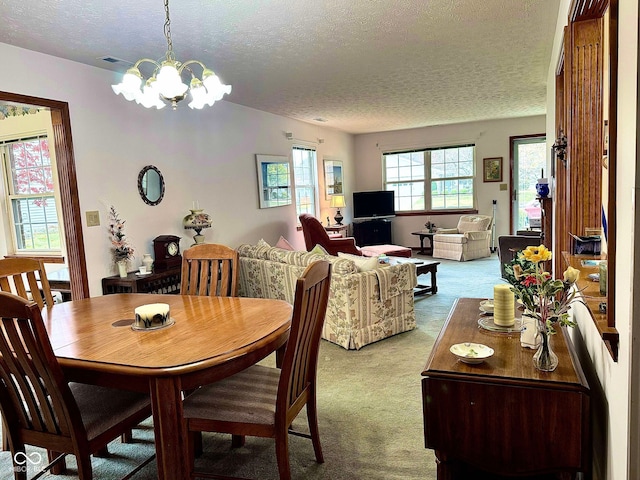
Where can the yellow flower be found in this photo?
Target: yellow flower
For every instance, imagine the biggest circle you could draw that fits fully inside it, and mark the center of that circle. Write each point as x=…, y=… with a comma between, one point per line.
x=537, y=254
x=571, y=275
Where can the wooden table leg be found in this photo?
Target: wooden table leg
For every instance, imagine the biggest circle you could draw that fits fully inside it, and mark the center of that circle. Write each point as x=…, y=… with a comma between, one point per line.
x=434, y=285
x=421, y=252
x=170, y=433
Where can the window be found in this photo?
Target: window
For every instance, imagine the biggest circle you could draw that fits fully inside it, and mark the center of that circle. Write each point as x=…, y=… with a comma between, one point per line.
x=431, y=179
x=304, y=168
x=30, y=195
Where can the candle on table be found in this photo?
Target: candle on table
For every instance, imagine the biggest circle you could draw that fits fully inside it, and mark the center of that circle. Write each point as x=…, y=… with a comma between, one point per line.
x=503, y=306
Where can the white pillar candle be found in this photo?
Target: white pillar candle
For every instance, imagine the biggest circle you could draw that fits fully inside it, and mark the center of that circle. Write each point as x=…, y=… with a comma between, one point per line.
x=152, y=315
x=504, y=313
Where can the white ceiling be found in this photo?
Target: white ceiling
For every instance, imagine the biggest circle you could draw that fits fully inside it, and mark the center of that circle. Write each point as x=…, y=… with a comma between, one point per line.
x=362, y=65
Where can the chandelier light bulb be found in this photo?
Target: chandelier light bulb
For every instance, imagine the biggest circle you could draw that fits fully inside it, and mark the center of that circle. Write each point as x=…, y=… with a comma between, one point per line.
x=130, y=85
x=150, y=97
x=198, y=94
x=165, y=84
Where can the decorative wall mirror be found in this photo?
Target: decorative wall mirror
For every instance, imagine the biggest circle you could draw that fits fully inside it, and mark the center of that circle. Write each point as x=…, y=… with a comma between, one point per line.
x=333, y=178
x=151, y=185
x=274, y=180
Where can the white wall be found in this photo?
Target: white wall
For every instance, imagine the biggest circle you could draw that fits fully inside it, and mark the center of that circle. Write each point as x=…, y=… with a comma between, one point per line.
x=491, y=138
x=612, y=458
x=206, y=155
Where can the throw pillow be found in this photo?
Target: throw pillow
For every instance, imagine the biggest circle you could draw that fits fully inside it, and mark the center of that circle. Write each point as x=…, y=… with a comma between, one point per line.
x=364, y=264
x=284, y=244
x=319, y=250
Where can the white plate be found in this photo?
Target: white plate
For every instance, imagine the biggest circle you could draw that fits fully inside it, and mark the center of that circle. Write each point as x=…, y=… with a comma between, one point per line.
x=488, y=324
x=486, y=310
x=143, y=274
x=471, y=352
x=170, y=322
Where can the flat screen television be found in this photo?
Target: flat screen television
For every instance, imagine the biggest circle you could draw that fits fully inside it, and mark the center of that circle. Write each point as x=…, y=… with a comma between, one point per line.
x=376, y=204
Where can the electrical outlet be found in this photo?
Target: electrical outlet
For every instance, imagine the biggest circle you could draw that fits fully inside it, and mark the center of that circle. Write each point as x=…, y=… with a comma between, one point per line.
x=93, y=218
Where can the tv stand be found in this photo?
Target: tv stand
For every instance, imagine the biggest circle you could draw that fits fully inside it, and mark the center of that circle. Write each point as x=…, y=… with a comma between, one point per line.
x=372, y=232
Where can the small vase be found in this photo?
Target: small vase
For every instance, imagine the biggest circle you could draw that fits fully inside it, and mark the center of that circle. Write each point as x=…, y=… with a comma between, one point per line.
x=529, y=337
x=545, y=359
x=122, y=268
x=147, y=261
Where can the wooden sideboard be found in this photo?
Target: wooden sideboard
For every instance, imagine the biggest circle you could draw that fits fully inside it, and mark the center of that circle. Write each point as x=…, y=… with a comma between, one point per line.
x=167, y=281
x=503, y=417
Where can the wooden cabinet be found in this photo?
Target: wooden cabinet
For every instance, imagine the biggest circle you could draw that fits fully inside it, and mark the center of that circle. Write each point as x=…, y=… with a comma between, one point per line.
x=546, y=205
x=372, y=232
x=503, y=416
x=167, y=281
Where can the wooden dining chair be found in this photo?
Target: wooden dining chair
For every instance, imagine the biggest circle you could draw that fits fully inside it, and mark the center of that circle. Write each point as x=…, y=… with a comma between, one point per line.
x=210, y=269
x=13, y=272
x=263, y=401
x=41, y=408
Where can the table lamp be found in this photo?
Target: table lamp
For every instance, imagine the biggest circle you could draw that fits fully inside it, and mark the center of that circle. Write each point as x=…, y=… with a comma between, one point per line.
x=337, y=201
x=197, y=220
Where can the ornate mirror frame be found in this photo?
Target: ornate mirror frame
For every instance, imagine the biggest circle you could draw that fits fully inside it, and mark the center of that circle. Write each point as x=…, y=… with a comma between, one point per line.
x=151, y=192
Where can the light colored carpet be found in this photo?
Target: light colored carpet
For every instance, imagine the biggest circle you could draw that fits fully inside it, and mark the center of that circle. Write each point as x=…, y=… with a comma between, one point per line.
x=369, y=405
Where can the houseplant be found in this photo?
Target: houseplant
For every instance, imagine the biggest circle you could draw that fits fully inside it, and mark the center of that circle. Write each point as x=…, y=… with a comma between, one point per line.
x=543, y=297
x=122, y=251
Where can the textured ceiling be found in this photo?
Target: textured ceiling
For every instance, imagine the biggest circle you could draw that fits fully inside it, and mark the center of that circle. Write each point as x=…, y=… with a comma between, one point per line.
x=362, y=65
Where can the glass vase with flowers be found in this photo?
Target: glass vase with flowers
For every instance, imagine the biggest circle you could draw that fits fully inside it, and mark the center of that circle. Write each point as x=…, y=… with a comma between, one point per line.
x=543, y=297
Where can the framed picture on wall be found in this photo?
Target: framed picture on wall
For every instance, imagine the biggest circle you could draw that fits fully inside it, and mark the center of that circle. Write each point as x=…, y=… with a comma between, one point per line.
x=492, y=169
x=274, y=180
x=332, y=178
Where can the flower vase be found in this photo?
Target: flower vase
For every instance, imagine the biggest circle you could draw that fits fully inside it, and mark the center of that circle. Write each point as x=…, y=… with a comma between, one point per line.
x=122, y=268
x=147, y=261
x=545, y=359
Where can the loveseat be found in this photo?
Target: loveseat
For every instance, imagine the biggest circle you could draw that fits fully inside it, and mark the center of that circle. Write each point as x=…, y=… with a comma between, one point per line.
x=364, y=306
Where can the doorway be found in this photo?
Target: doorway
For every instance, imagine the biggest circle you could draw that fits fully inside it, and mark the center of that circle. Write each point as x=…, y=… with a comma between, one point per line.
x=66, y=168
x=528, y=162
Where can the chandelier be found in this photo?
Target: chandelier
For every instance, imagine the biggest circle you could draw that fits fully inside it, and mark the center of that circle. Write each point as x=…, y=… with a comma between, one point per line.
x=165, y=84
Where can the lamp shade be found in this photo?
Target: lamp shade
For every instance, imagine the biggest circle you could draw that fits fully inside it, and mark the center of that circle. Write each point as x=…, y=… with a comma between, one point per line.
x=337, y=201
x=197, y=220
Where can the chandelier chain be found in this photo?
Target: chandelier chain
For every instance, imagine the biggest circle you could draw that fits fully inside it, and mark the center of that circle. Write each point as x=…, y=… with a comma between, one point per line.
x=167, y=30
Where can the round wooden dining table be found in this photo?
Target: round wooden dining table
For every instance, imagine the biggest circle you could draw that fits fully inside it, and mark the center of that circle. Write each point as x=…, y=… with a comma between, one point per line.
x=211, y=338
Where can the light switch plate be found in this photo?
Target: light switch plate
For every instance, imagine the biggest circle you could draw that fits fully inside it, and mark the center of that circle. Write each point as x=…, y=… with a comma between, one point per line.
x=503, y=186
x=93, y=218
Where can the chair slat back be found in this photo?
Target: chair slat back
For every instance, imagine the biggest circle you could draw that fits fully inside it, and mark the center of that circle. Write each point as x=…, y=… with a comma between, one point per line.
x=301, y=356
x=13, y=272
x=33, y=393
x=210, y=269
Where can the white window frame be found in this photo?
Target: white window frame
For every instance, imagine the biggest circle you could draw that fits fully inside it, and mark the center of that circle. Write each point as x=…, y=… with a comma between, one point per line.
x=10, y=196
x=409, y=174
x=305, y=174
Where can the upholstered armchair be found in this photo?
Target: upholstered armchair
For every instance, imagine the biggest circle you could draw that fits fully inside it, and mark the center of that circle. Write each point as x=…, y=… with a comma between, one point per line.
x=469, y=240
x=315, y=234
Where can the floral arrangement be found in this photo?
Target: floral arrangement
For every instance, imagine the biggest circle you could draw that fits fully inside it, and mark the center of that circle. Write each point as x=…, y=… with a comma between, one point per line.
x=121, y=248
x=548, y=299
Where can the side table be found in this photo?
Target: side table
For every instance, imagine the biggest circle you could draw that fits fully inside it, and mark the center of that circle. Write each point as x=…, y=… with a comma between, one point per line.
x=424, y=235
x=167, y=281
x=338, y=230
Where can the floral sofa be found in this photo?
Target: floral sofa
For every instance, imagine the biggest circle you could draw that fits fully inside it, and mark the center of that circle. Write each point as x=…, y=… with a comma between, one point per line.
x=364, y=306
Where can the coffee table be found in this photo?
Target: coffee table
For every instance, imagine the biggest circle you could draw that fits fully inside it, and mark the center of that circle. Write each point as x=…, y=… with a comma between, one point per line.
x=422, y=267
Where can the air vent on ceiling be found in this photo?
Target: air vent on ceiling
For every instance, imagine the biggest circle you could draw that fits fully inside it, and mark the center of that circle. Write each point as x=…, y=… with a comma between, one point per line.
x=115, y=60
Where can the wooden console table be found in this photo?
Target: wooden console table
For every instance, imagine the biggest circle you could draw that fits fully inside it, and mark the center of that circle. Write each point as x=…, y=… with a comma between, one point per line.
x=167, y=281
x=503, y=416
